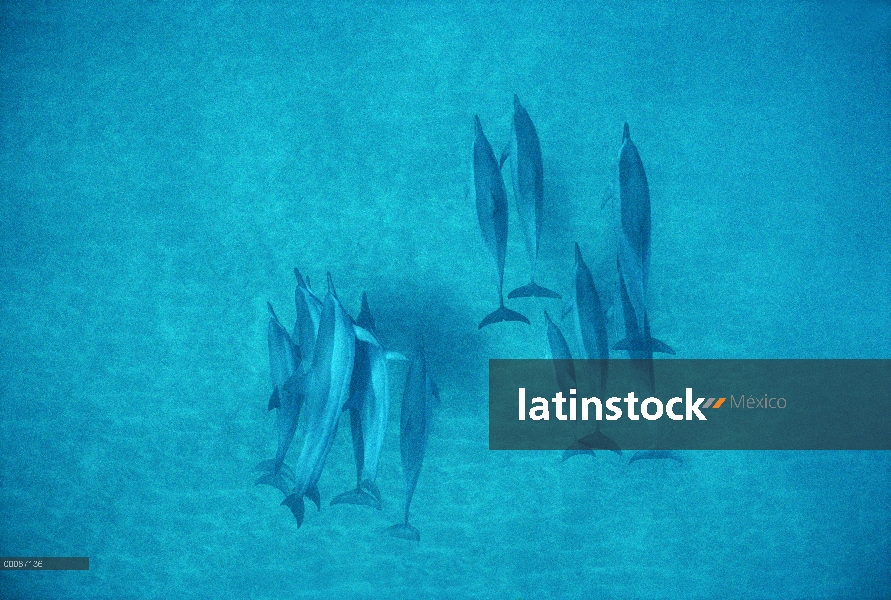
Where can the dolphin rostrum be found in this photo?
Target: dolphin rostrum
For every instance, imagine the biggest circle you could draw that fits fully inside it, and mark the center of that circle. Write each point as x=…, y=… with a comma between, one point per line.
x=528, y=184
x=417, y=402
x=327, y=388
x=369, y=404
x=491, y=208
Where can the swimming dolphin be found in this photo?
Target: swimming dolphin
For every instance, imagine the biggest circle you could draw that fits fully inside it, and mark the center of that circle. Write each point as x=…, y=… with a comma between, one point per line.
x=417, y=401
x=287, y=397
x=327, y=389
x=590, y=319
x=656, y=455
x=634, y=241
x=309, y=311
x=491, y=208
x=564, y=369
x=528, y=184
x=368, y=403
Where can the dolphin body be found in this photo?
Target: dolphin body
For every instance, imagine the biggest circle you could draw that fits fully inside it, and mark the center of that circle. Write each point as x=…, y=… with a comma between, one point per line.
x=287, y=397
x=369, y=405
x=590, y=320
x=417, y=403
x=564, y=368
x=634, y=242
x=634, y=253
x=491, y=208
x=327, y=388
x=528, y=184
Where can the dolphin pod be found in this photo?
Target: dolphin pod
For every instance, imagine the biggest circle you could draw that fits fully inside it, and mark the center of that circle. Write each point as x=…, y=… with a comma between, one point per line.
x=327, y=388
x=491, y=208
x=329, y=363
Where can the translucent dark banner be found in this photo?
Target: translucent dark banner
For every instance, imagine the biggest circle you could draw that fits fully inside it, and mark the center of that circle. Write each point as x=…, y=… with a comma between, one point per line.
x=690, y=405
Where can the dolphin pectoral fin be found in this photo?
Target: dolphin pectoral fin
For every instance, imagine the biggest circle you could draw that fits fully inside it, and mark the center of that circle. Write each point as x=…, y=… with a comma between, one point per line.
x=608, y=194
x=643, y=344
x=274, y=400
x=391, y=355
x=568, y=307
x=533, y=290
x=363, y=335
x=313, y=494
x=359, y=497
x=404, y=531
x=504, y=156
x=295, y=503
x=503, y=313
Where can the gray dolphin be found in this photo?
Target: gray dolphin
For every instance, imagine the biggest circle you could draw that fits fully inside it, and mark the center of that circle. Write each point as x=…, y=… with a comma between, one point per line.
x=590, y=319
x=417, y=402
x=634, y=251
x=287, y=397
x=309, y=311
x=564, y=369
x=528, y=184
x=369, y=404
x=656, y=455
x=491, y=208
x=327, y=388
x=634, y=242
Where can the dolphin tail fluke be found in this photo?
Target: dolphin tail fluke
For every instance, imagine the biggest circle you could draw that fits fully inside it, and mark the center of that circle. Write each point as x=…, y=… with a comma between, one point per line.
x=313, y=494
x=570, y=452
x=295, y=503
x=268, y=466
x=371, y=487
x=277, y=481
x=533, y=290
x=503, y=313
x=282, y=478
x=404, y=531
x=357, y=496
x=646, y=344
x=656, y=455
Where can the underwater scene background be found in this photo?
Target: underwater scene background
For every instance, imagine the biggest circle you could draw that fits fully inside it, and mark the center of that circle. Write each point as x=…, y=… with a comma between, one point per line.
x=165, y=165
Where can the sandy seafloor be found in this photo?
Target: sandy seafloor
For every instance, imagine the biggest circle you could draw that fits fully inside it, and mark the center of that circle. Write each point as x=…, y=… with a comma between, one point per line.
x=165, y=165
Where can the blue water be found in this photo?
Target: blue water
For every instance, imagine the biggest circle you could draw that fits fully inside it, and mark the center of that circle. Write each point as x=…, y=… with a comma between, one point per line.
x=165, y=165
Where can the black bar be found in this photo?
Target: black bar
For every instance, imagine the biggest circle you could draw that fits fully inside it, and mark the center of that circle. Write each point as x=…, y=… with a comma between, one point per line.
x=44, y=563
